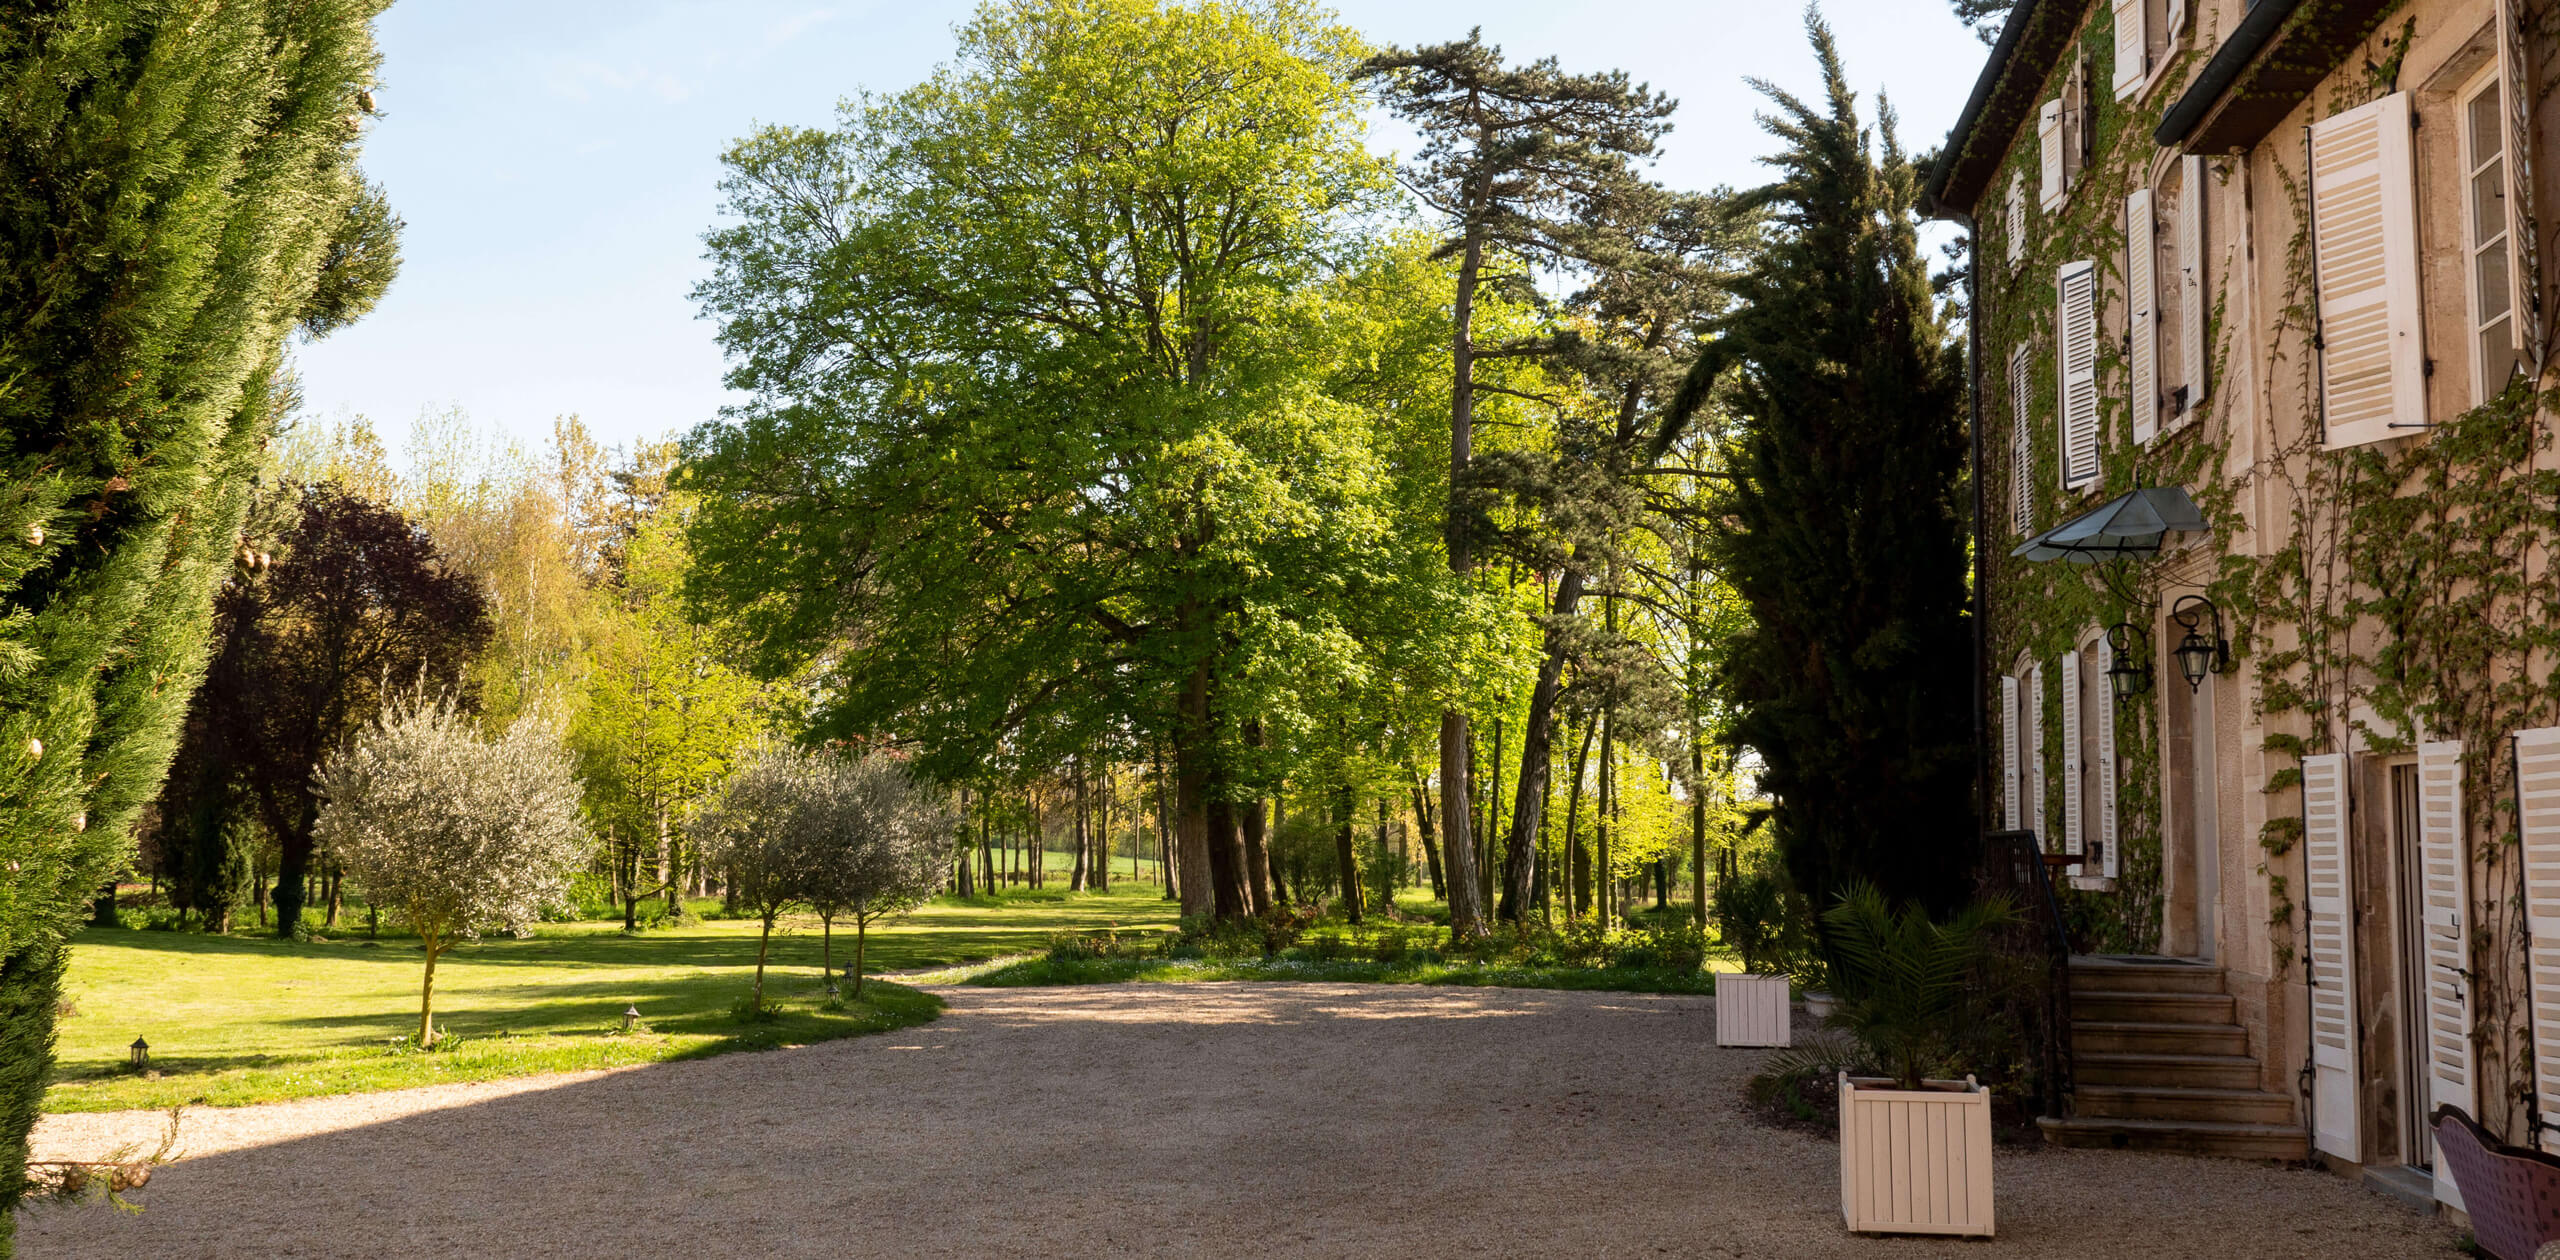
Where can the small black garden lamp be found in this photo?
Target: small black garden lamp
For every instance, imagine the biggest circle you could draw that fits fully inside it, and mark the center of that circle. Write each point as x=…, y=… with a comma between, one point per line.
x=2198, y=655
x=630, y=1017
x=141, y=1054
x=2130, y=673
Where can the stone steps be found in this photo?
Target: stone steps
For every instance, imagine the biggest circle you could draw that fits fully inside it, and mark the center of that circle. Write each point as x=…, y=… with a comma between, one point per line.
x=2168, y=1071
x=2161, y=1063
x=2091, y=1036
x=2182, y=1102
x=2227, y=1139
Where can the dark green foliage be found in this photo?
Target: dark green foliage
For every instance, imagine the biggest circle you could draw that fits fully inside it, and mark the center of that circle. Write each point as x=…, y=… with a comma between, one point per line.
x=1909, y=987
x=1843, y=528
x=30, y=986
x=172, y=174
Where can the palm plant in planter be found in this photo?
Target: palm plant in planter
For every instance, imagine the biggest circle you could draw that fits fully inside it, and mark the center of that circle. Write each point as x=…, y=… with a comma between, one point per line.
x=1751, y=1007
x=1915, y=1148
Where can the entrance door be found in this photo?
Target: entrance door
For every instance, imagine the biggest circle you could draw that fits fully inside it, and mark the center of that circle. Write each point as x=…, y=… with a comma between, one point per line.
x=2410, y=963
x=2203, y=798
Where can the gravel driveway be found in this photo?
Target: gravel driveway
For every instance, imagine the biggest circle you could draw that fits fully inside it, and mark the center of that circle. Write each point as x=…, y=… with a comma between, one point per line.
x=1171, y=1120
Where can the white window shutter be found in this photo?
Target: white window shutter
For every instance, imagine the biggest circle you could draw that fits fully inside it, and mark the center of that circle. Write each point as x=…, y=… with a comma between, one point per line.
x=2365, y=253
x=2022, y=451
x=2445, y=863
x=2012, y=809
x=2076, y=371
x=2073, y=840
x=2142, y=313
x=2035, y=750
x=2329, y=956
x=2177, y=23
x=2132, y=48
x=2538, y=834
x=2103, y=691
x=2049, y=147
x=2013, y=220
x=2192, y=368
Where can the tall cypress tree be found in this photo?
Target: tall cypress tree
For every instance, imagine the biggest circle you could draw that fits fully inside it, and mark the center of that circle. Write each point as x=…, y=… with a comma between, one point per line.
x=1845, y=533
x=178, y=191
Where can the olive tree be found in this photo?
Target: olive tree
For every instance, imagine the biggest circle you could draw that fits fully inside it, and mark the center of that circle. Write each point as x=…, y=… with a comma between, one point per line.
x=876, y=844
x=450, y=831
x=757, y=833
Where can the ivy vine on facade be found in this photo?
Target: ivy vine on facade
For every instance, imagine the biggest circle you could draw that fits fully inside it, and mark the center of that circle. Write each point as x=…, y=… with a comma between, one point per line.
x=2280, y=261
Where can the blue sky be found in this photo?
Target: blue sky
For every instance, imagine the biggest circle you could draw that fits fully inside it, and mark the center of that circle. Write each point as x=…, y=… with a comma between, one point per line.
x=556, y=160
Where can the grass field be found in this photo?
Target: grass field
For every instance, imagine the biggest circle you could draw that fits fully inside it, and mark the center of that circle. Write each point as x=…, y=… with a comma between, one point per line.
x=241, y=1019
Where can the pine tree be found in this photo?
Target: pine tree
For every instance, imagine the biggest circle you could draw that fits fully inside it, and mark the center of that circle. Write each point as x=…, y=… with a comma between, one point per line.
x=178, y=191
x=1514, y=160
x=1846, y=538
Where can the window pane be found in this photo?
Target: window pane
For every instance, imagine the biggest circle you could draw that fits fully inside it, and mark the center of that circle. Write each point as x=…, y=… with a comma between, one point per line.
x=2486, y=134
x=2492, y=272
x=2488, y=203
x=2498, y=359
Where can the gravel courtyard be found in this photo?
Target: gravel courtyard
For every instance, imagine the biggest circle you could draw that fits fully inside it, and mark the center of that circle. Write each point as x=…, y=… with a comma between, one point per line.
x=1151, y=1120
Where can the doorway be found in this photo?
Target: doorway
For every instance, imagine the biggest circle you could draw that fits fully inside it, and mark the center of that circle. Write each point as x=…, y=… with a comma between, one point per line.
x=2409, y=967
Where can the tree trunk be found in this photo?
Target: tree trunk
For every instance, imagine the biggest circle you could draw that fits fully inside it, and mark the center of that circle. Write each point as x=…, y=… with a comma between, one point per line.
x=1607, y=815
x=1466, y=917
x=1076, y=878
x=1697, y=830
x=293, y=873
x=1537, y=754
x=861, y=938
x=1397, y=870
x=427, y=996
x=1343, y=854
x=827, y=948
x=1430, y=846
x=763, y=943
x=1102, y=832
x=1577, y=858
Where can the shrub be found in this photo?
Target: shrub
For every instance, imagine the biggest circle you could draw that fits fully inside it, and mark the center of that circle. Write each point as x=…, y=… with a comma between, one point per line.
x=1909, y=987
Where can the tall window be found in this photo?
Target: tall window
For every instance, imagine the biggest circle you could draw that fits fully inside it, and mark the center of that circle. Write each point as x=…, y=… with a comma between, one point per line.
x=2493, y=326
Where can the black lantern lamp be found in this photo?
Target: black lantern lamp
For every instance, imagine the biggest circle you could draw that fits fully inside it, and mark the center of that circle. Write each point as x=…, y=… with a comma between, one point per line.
x=2129, y=673
x=140, y=1055
x=2199, y=655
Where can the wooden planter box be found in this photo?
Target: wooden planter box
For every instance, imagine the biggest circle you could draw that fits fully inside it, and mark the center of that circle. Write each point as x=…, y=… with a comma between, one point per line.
x=1915, y=1161
x=1751, y=1010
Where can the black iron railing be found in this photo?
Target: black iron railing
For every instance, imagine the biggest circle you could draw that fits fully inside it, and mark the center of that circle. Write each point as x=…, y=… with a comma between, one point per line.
x=2014, y=867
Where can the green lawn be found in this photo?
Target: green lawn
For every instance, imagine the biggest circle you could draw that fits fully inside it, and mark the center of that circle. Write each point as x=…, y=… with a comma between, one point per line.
x=242, y=1019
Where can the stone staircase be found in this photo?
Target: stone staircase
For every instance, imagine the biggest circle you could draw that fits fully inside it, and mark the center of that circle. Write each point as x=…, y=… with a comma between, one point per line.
x=2160, y=1063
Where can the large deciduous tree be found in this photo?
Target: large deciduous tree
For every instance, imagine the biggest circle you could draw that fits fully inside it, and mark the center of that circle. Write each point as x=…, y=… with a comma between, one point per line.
x=451, y=832
x=358, y=604
x=1034, y=453
x=1843, y=528
x=1514, y=160
x=178, y=191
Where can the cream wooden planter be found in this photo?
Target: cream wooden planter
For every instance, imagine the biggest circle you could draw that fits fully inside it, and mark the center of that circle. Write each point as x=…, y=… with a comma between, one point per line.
x=1915, y=1161
x=1751, y=1010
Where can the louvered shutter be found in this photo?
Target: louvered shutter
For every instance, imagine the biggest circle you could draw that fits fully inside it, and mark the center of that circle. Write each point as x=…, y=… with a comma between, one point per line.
x=2329, y=956
x=2177, y=23
x=2012, y=809
x=2445, y=862
x=2073, y=841
x=2049, y=150
x=2102, y=693
x=2192, y=368
x=2142, y=313
x=2538, y=834
x=2132, y=49
x=2365, y=250
x=2035, y=748
x=2013, y=220
x=2022, y=451
x=2076, y=371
